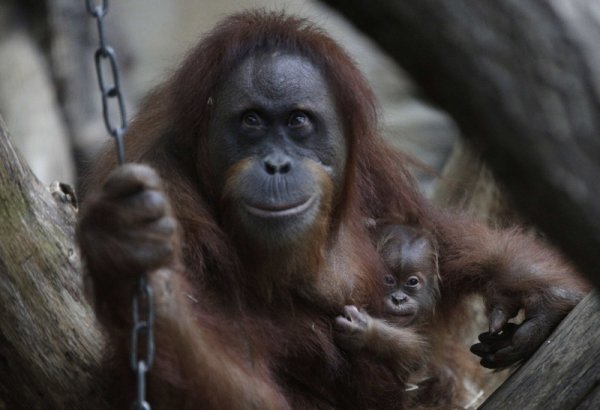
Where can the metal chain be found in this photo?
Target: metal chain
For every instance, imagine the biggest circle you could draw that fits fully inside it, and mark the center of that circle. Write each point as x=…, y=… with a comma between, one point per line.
x=105, y=58
x=141, y=355
x=142, y=327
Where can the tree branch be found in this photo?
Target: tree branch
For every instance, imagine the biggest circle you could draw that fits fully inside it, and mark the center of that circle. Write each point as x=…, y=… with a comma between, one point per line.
x=50, y=344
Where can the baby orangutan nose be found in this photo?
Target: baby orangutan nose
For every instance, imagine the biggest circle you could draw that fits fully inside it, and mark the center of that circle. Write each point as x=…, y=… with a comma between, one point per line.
x=398, y=299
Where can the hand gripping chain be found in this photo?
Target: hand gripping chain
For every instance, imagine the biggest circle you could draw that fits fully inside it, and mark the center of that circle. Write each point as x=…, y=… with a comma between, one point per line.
x=141, y=355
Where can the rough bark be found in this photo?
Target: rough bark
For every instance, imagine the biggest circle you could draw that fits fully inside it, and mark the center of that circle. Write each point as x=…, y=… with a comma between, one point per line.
x=521, y=79
x=50, y=344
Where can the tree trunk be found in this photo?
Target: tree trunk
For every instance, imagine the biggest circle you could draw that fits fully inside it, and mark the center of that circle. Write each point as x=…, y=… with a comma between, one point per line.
x=522, y=80
x=50, y=344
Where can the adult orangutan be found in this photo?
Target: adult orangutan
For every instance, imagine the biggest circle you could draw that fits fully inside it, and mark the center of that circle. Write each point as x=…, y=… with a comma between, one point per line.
x=261, y=164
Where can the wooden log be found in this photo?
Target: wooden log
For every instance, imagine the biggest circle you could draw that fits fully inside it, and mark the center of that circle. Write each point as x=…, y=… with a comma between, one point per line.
x=522, y=79
x=564, y=374
x=50, y=344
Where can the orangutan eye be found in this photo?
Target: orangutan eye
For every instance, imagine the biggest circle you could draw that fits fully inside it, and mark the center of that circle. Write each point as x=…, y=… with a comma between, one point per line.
x=389, y=280
x=412, y=282
x=251, y=119
x=298, y=119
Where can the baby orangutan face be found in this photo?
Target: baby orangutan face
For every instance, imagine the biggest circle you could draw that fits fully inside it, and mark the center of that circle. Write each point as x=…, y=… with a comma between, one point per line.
x=413, y=281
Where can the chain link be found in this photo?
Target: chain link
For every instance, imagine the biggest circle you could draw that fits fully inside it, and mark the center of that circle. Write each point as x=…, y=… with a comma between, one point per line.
x=142, y=329
x=142, y=307
x=106, y=62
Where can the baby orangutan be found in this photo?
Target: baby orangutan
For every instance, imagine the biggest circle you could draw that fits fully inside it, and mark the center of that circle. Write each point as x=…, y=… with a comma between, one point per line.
x=402, y=337
x=412, y=285
x=411, y=291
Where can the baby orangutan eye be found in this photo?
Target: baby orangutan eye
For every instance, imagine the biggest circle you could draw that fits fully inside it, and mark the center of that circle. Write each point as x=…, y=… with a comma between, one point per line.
x=412, y=282
x=389, y=280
